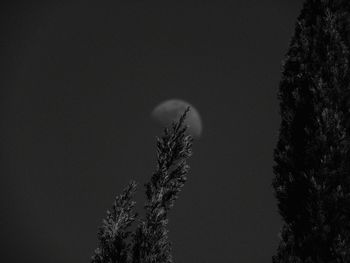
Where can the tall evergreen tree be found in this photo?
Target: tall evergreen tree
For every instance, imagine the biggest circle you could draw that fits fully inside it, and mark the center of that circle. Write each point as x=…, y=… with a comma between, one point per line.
x=149, y=243
x=312, y=175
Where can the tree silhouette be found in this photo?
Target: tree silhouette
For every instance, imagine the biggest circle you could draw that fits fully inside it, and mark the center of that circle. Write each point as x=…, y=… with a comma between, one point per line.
x=149, y=243
x=312, y=179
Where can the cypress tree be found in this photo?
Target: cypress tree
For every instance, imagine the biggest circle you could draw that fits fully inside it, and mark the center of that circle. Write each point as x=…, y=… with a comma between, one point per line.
x=149, y=243
x=312, y=179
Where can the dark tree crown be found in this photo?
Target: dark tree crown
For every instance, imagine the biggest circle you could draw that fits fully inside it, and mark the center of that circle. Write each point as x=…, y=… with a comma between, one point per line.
x=312, y=182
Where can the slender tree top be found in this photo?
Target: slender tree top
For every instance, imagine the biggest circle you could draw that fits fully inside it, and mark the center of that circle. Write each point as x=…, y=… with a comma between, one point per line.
x=149, y=242
x=173, y=149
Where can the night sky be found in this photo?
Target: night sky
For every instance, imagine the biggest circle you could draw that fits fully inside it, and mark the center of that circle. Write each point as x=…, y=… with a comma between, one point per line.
x=79, y=80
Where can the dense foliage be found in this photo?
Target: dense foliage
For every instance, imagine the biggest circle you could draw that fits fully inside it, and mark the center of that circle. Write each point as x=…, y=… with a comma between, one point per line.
x=312, y=182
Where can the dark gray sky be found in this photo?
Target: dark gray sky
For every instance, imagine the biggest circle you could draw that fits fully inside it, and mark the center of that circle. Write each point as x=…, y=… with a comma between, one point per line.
x=79, y=80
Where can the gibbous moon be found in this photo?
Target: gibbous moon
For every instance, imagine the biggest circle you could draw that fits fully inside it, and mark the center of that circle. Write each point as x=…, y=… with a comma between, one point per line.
x=171, y=110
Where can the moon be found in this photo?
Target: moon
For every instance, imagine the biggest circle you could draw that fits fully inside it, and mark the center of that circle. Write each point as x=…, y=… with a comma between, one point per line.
x=171, y=110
